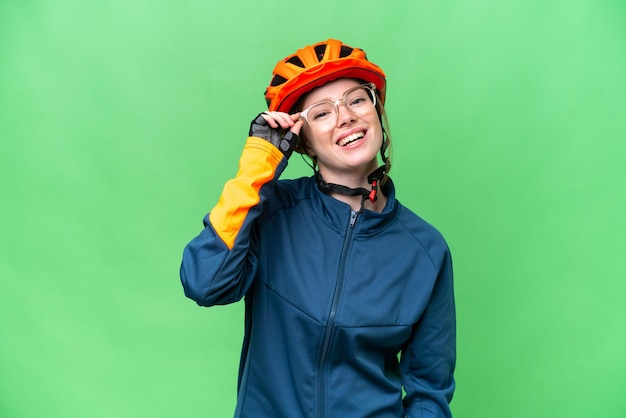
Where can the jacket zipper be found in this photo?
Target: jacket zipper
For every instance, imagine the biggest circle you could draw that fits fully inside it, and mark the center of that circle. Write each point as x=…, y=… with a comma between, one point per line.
x=333, y=312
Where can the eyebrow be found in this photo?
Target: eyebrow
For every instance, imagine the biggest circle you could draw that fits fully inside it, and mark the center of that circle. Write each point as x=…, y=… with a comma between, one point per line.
x=328, y=99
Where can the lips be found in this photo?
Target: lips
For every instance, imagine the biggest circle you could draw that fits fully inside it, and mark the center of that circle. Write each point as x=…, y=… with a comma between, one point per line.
x=347, y=140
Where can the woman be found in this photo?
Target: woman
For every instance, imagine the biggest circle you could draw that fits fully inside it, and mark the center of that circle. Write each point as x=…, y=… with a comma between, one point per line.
x=348, y=294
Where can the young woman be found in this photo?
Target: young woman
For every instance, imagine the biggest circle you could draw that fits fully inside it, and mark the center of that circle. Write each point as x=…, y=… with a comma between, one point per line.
x=348, y=294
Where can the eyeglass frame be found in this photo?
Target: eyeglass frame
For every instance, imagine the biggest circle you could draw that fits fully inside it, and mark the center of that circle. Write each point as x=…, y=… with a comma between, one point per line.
x=369, y=86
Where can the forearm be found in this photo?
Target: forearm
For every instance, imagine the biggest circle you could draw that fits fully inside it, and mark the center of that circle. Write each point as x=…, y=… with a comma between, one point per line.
x=259, y=165
x=218, y=265
x=429, y=359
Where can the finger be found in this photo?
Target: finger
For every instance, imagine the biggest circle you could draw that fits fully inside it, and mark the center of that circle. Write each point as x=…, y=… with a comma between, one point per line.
x=295, y=117
x=283, y=119
x=276, y=119
x=269, y=119
x=297, y=126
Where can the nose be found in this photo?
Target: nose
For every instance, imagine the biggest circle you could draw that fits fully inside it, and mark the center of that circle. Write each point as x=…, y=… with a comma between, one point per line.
x=344, y=114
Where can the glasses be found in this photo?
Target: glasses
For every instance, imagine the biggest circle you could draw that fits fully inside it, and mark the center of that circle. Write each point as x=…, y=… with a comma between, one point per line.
x=360, y=100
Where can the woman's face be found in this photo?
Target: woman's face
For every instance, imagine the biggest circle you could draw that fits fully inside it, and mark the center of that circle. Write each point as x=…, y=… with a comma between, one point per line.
x=348, y=145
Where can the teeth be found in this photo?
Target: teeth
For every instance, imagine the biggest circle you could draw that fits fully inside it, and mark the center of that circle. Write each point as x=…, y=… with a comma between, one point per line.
x=351, y=138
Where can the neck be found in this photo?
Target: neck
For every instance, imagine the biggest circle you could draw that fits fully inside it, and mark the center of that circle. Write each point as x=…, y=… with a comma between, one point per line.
x=360, y=191
x=350, y=178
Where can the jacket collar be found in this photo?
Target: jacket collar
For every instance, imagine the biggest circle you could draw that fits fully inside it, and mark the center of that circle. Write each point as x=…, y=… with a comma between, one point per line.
x=337, y=213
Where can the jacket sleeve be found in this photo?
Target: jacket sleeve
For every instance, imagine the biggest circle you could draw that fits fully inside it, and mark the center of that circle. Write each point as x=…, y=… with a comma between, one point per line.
x=219, y=264
x=428, y=361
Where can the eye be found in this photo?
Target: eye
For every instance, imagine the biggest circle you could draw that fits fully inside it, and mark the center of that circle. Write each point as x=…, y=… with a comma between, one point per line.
x=322, y=111
x=358, y=98
x=320, y=115
x=357, y=101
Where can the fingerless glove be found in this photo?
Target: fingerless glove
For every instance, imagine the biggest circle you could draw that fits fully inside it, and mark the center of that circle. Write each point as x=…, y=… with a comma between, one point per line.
x=284, y=141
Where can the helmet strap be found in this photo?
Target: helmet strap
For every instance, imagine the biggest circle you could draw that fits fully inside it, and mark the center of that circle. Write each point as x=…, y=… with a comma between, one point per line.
x=374, y=179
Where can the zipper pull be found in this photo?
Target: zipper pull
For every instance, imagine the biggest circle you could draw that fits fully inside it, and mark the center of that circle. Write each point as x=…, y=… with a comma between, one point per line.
x=353, y=215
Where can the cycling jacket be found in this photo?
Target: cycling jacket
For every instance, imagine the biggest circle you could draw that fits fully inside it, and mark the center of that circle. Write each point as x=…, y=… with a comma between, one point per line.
x=332, y=297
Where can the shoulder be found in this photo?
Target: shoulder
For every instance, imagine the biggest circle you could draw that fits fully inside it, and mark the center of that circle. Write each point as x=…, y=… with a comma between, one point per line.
x=287, y=194
x=422, y=232
x=293, y=186
x=416, y=230
x=293, y=190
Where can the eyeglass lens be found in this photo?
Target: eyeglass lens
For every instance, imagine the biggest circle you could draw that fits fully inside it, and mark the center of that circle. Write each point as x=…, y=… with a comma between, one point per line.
x=359, y=100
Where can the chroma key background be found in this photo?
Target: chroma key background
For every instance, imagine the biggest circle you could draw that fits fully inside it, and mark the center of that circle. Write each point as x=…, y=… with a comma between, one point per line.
x=120, y=121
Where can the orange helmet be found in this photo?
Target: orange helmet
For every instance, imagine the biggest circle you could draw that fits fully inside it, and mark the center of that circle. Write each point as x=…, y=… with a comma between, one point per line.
x=316, y=65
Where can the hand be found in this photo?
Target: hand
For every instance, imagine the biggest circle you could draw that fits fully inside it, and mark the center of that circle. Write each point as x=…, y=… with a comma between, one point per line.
x=271, y=126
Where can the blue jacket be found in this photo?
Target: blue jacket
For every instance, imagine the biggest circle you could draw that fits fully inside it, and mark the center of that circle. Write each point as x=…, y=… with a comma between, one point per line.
x=344, y=310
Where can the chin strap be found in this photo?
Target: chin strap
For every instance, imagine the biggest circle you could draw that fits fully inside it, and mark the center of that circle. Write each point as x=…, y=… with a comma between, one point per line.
x=372, y=194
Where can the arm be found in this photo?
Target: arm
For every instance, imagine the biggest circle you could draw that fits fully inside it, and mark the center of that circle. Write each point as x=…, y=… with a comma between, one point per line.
x=429, y=359
x=218, y=265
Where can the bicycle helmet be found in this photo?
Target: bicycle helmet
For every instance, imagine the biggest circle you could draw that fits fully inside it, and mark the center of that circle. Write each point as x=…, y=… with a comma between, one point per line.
x=314, y=66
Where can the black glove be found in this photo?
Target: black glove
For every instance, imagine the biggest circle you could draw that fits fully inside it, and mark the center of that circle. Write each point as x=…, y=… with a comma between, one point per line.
x=284, y=141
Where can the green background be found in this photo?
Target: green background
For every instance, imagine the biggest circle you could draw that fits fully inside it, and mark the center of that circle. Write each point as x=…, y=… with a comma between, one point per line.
x=120, y=120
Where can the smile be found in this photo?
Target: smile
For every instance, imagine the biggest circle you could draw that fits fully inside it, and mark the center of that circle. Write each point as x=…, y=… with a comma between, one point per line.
x=350, y=138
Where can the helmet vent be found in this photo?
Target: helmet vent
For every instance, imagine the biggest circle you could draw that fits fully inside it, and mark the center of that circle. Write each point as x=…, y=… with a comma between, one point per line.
x=296, y=61
x=345, y=51
x=320, y=50
x=277, y=81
